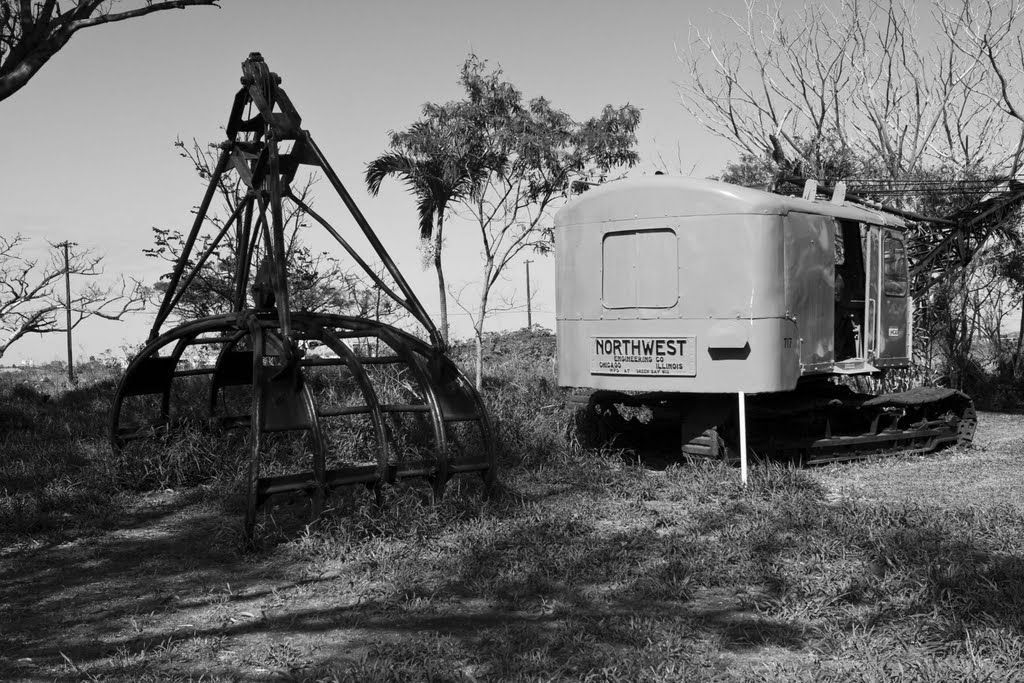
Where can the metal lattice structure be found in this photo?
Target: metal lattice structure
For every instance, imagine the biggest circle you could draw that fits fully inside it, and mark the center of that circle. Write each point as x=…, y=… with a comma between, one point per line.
x=959, y=237
x=379, y=405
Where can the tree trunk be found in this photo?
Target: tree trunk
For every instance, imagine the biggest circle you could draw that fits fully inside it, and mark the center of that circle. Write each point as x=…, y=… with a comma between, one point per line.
x=479, y=338
x=441, y=291
x=478, y=327
x=478, y=334
x=14, y=78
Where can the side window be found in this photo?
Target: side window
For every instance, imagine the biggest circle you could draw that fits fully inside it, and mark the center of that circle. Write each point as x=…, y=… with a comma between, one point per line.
x=640, y=269
x=894, y=274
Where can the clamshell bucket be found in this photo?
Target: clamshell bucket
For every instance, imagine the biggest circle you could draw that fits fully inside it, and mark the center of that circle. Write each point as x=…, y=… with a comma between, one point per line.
x=325, y=400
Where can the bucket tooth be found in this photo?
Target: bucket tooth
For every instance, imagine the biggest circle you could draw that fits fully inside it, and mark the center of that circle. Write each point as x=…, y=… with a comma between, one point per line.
x=151, y=376
x=284, y=406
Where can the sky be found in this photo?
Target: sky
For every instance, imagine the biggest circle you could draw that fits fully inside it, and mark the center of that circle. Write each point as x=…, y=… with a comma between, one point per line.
x=88, y=150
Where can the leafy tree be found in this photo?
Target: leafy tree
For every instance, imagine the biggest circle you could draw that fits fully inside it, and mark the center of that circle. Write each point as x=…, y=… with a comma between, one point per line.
x=523, y=158
x=1008, y=263
x=33, y=31
x=317, y=282
x=825, y=159
x=535, y=152
x=436, y=159
x=33, y=296
x=749, y=171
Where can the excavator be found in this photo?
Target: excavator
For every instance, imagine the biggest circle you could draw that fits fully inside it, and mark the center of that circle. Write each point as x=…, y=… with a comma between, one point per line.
x=675, y=295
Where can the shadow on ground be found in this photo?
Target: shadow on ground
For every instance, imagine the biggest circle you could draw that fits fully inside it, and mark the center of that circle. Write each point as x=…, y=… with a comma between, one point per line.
x=171, y=593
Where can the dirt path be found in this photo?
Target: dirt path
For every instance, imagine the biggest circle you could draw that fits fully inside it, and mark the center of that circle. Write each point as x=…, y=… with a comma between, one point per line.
x=168, y=575
x=170, y=596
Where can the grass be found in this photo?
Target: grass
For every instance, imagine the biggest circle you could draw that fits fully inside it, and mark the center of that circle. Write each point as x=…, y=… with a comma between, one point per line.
x=585, y=565
x=949, y=478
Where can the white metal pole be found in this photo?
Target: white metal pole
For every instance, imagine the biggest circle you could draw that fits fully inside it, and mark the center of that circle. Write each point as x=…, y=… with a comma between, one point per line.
x=529, y=307
x=743, y=438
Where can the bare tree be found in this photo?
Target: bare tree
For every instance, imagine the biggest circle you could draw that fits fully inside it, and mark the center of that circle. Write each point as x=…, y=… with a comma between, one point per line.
x=33, y=31
x=875, y=77
x=988, y=33
x=510, y=221
x=32, y=298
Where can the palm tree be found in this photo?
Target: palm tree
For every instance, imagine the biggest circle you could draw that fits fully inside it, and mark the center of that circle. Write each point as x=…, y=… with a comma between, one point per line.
x=439, y=164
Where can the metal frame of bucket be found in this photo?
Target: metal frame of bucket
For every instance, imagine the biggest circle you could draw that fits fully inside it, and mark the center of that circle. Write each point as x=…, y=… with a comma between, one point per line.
x=264, y=344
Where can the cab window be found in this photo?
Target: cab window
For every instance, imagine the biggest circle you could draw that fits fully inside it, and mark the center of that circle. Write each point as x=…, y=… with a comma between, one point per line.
x=894, y=273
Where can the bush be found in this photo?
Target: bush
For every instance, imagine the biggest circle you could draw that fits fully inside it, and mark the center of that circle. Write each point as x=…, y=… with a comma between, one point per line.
x=993, y=391
x=528, y=408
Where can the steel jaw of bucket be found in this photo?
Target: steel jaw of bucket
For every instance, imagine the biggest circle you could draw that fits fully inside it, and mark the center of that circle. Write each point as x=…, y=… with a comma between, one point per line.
x=373, y=403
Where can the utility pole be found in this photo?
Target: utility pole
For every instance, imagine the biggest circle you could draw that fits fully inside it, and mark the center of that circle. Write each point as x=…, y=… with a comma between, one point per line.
x=67, y=305
x=529, y=308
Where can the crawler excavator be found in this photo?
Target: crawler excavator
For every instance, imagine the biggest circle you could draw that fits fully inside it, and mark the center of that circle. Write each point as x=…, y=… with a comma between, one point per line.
x=676, y=294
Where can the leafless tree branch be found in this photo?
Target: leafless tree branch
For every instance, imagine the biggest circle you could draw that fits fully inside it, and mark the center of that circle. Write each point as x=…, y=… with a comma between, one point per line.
x=33, y=300
x=862, y=76
x=32, y=33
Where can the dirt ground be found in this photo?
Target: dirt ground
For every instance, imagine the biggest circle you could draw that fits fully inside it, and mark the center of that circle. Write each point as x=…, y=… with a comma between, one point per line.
x=168, y=592
x=168, y=579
